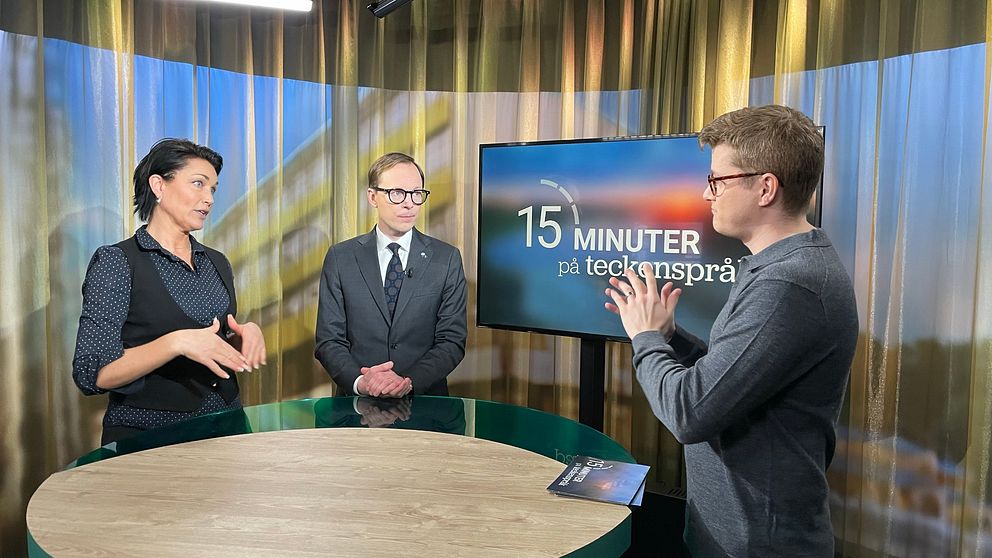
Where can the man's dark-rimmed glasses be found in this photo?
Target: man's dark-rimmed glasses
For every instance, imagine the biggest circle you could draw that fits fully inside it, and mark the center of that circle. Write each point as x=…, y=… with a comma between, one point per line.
x=717, y=187
x=398, y=195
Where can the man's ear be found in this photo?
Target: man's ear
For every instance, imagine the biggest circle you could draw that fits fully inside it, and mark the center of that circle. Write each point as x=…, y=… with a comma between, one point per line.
x=771, y=189
x=370, y=194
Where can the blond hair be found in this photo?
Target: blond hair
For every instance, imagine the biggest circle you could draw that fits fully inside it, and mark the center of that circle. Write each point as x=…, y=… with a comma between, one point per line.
x=777, y=140
x=388, y=161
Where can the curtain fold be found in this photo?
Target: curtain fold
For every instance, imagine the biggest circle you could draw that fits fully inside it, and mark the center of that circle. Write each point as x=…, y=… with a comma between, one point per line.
x=979, y=456
x=300, y=105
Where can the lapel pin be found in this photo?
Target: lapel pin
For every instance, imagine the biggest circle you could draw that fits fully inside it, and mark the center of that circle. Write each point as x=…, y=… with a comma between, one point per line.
x=423, y=255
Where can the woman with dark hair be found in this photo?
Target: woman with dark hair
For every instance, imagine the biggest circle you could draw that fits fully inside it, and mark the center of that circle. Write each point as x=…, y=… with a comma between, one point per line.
x=157, y=328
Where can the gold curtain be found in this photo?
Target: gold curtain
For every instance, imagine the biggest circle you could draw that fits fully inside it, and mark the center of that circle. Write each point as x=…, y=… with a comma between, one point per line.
x=437, y=78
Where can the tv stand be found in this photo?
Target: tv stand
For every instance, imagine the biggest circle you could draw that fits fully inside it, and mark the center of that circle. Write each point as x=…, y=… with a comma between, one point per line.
x=592, y=382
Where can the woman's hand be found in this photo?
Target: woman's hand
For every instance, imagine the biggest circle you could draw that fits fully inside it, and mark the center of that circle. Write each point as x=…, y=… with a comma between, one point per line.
x=203, y=345
x=249, y=338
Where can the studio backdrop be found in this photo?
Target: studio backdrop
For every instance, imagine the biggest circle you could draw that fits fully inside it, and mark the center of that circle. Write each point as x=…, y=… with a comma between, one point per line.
x=300, y=105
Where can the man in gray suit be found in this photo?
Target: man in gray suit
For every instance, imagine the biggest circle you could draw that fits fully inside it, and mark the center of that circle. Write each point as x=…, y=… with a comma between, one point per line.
x=391, y=315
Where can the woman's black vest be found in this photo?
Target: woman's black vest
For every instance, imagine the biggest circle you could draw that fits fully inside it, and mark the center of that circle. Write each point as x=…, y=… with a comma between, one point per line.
x=180, y=384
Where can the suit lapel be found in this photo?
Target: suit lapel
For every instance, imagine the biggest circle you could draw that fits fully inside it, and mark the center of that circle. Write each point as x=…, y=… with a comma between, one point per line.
x=417, y=262
x=367, y=258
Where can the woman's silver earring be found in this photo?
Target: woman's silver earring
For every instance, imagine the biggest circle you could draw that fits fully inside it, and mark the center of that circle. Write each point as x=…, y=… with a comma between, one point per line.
x=157, y=200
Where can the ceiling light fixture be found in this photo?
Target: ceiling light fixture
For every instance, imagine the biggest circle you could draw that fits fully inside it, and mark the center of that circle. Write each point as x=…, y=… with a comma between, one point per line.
x=293, y=5
x=382, y=8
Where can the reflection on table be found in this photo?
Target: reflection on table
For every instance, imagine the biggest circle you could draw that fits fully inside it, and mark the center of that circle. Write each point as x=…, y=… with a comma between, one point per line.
x=436, y=414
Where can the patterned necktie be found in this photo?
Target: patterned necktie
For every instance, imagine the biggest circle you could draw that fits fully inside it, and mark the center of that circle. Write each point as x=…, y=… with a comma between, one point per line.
x=394, y=278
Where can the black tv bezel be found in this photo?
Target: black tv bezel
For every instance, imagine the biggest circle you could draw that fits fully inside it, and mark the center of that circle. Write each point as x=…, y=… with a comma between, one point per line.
x=816, y=212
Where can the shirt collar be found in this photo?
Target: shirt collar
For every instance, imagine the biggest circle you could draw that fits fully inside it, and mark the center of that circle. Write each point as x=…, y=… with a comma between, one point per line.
x=382, y=241
x=147, y=242
x=780, y=249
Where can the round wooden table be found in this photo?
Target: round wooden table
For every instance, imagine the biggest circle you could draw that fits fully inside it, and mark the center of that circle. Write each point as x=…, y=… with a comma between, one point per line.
x=322, y=492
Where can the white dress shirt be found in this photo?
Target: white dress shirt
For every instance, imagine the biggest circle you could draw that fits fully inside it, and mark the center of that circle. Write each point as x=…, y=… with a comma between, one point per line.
x=382, y=243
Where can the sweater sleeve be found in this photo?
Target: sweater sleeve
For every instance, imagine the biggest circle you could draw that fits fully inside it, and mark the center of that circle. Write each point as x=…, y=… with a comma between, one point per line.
x=754, y=355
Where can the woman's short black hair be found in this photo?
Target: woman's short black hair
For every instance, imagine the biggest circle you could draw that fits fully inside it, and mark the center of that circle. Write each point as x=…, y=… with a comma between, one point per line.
x=164, y=159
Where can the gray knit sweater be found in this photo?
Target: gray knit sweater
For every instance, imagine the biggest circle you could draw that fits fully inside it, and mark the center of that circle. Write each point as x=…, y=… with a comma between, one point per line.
x=757, y=411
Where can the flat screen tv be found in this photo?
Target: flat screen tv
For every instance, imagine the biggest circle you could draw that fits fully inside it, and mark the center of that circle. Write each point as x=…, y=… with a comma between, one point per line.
x=557, y=219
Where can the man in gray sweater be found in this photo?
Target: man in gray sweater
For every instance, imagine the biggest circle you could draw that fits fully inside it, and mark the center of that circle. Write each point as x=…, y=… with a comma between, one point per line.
x=757, y=409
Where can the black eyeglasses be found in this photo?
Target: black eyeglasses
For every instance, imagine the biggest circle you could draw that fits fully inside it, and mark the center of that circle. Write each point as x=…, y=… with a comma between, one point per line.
x=398, y=195
x=717, y=187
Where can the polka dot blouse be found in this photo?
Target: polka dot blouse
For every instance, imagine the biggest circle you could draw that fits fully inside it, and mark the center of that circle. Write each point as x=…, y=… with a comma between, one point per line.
x=199, y=291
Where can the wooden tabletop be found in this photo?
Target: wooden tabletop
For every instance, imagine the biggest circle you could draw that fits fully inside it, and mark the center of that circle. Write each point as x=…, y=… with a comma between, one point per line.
x=317, y=492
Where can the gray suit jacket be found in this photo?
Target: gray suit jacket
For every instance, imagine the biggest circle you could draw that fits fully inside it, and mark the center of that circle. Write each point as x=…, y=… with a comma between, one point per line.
x=425, y=339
